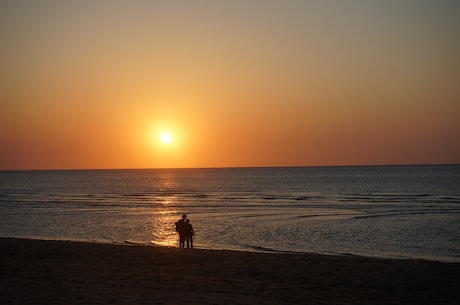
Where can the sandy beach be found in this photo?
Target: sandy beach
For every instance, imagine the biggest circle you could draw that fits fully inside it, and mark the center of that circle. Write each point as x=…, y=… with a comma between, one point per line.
x=57, y=272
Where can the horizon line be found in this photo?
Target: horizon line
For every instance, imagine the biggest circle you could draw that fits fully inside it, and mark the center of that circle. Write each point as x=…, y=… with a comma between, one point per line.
x=232, y=167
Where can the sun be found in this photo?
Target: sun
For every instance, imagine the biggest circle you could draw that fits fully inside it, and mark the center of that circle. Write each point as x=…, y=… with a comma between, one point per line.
x=165, y=137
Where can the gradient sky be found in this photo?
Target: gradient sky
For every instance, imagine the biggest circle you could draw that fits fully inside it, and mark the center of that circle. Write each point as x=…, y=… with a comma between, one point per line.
x=92, y=84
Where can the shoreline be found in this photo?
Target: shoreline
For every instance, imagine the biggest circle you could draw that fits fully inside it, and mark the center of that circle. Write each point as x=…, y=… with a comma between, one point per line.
x=68, y=272
x=440, y=259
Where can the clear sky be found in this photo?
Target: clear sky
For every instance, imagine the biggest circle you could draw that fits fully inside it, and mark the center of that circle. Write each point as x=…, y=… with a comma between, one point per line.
x=94, y=84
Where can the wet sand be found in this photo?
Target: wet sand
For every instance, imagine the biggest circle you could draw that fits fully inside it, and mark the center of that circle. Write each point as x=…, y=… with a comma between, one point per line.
x=56, y=272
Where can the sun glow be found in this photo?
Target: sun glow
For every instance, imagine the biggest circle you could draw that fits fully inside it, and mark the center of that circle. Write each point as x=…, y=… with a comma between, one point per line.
x=165, y=137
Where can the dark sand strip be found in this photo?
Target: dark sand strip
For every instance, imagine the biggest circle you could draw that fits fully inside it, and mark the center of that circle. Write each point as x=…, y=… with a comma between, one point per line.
x=52, y=272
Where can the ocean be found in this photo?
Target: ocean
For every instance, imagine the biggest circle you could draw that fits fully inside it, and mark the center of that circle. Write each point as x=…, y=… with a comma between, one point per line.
x=409, y=212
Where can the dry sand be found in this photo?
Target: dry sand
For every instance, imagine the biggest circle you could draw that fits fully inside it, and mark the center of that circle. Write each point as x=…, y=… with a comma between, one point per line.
x=52, y=272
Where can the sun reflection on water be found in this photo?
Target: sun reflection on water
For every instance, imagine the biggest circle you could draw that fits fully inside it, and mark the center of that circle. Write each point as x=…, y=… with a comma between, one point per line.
x=163, y=228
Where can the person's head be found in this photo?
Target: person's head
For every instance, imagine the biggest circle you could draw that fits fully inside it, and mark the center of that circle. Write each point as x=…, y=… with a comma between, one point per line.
x=184, y=216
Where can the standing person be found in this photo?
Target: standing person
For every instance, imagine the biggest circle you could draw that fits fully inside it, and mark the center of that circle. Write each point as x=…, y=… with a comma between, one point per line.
x=181, y=227
x=189, y=233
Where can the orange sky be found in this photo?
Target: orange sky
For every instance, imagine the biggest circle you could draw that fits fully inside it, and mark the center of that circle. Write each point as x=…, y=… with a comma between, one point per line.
x=92, y=84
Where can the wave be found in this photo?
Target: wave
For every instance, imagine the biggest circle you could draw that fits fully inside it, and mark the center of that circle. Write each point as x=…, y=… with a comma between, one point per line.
x=398, y=198
x=198, y=198
x=260, y=249
x=398, y=213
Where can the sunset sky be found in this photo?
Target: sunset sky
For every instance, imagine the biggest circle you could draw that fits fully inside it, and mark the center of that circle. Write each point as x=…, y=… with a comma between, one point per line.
x=95, y=84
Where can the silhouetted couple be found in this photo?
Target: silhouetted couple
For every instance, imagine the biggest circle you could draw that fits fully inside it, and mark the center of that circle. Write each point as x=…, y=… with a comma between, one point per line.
x=185, y=230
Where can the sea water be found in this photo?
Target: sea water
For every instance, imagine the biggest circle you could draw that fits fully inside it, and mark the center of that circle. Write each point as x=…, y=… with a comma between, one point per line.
x=383, y=211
